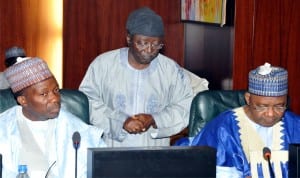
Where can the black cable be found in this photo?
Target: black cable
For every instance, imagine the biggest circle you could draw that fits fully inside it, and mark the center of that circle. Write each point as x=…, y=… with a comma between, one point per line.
x=50, y=169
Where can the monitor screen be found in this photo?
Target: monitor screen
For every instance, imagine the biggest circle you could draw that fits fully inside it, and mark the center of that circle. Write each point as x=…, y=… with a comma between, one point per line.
x=294, y=160
x=150, y=162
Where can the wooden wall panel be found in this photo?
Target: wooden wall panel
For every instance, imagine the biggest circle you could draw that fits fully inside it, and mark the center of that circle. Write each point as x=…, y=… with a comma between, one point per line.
x=11, y=23
x=30, y=24
x=264, y=31
x=92, y=27
x=243, y=43
x=267, y=31
x=290, y=54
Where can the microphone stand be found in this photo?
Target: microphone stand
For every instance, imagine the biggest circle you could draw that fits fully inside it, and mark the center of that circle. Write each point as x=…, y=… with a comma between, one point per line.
x=0, y=165
x=270, y=168
x=76, y=150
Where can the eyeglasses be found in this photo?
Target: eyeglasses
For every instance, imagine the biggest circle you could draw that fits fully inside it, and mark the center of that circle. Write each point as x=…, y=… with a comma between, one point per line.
x=144, y=45
x=266, y=108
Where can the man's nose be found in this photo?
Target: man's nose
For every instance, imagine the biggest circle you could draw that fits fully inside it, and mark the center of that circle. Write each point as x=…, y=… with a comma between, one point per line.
x=149, y=48
x=270, y=111
x=54, y=96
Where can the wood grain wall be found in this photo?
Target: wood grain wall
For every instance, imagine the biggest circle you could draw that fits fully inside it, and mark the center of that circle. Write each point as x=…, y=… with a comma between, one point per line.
x=265, y=30
x=92, y=27
x=11, y=23
x=268, y=31
x=30, y=24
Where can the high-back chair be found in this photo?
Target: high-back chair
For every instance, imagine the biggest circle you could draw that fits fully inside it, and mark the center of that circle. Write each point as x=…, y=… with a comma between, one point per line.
x=208, y=104
x=72, y=100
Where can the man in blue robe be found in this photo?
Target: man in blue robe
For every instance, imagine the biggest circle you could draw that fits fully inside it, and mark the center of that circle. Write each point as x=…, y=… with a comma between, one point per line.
x=241, y=134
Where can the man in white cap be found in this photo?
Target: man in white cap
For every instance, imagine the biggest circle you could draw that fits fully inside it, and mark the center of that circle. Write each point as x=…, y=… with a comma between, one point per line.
x=11, y=56
x=240, y=135
x=137, y=95
x=37, y=132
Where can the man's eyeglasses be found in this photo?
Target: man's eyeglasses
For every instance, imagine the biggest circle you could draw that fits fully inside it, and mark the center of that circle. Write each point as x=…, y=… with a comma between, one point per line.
x=144, y=45
x=266, y=108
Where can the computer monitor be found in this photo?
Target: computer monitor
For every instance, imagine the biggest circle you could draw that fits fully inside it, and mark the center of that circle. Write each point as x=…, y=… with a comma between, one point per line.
x=151, y=162
x=294, y=160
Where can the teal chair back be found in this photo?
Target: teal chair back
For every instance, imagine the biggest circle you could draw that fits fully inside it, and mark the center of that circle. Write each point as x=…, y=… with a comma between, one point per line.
x=206, y=105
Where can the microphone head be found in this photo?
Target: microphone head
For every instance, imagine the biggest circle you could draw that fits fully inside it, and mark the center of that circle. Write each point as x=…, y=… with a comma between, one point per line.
x=76, y=139
x=266, y=153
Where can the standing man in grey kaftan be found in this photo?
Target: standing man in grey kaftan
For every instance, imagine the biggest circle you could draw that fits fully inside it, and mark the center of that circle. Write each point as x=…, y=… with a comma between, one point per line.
x=137, y=95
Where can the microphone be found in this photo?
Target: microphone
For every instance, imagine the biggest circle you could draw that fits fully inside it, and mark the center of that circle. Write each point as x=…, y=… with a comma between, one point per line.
x=76, y=143
x=267, y=156
x=76, y=140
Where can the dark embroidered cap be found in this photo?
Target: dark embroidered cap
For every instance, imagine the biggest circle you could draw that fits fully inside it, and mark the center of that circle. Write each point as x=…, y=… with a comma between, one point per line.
x=26, y=73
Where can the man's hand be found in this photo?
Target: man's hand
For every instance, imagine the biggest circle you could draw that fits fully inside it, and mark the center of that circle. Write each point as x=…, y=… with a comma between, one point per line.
x=133, y=126
x=139, y=123
x=147, y=120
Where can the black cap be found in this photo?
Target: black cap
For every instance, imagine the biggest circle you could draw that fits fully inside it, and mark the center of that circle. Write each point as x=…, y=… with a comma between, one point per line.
x=12, y=53
x=145, y=21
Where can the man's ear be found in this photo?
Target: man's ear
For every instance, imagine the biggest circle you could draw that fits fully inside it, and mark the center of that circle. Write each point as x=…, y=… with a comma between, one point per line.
x=21, y=100
x=247, y=97
x=128, y=39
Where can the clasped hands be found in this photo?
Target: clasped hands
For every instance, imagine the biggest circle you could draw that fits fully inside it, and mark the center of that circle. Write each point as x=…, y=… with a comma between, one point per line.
x=139, y=123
